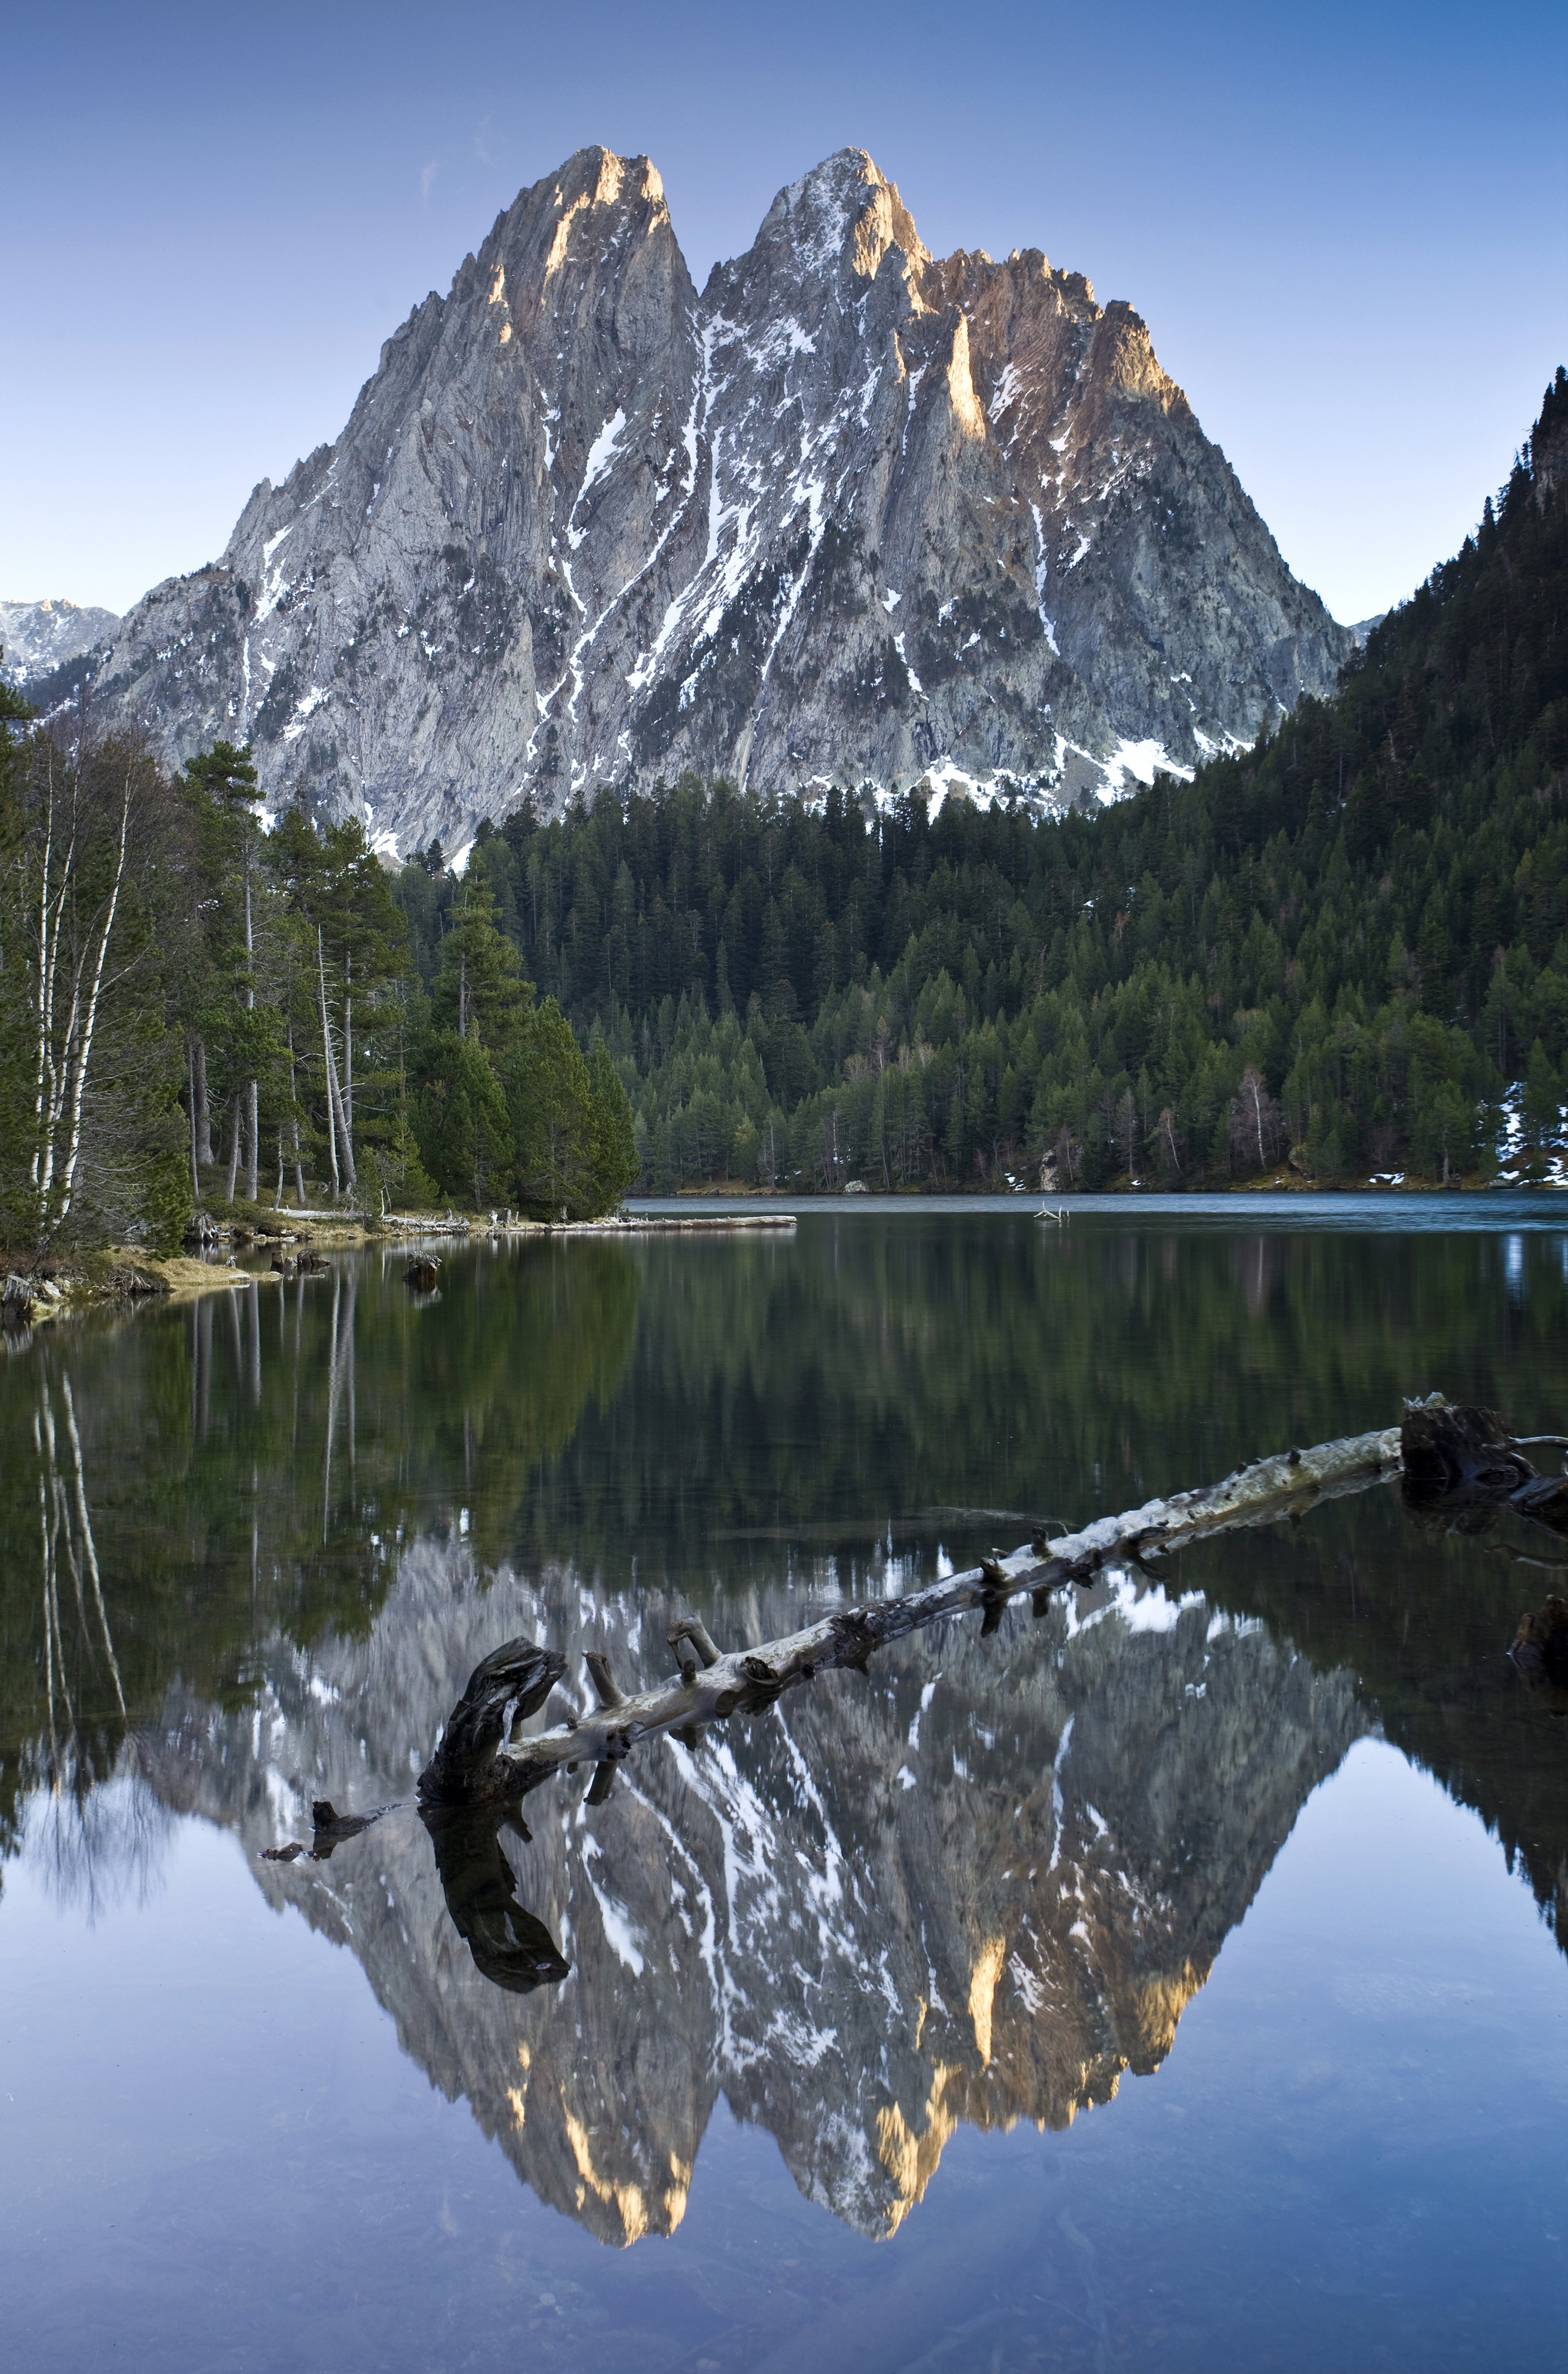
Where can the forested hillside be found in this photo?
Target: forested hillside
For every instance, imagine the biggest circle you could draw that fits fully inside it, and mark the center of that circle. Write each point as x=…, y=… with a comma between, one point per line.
x=1340, y=955
x=1343, y=950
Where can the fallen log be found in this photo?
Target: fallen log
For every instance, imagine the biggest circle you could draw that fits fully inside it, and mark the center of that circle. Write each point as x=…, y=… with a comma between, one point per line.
x=1462, y=1469
x=513, y=1681
x=477, y=1763
x=329, y=1830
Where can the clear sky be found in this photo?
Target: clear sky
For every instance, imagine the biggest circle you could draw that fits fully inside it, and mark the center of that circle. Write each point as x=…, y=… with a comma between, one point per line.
x=1347, y=225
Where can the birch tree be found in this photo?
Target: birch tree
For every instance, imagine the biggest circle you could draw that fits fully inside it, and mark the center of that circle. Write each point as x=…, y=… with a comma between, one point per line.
x=230, y=893
x=91, y=1121
x=342, y=975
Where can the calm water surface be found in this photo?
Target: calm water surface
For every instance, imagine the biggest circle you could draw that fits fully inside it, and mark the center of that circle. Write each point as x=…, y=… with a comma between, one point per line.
x=1169, y=1979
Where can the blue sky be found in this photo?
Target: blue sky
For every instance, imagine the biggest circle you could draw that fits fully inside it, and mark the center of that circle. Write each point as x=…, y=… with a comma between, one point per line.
x=1346, y=227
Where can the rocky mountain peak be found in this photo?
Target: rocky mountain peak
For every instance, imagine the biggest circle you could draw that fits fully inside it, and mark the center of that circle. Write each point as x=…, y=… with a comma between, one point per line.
x=841, y=218
x=856, y=513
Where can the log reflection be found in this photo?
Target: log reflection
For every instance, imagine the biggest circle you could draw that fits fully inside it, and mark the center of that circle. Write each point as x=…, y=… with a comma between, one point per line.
x=509, y=1945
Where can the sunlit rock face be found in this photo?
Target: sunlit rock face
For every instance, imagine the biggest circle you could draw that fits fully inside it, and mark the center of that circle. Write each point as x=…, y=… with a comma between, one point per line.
x=977, y=1884
x=852, y=515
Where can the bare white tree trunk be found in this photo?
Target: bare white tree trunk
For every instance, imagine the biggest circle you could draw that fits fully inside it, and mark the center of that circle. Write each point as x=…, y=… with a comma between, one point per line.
x=63, y=1059
x=251, y=1131
x=337, y=1132
x=293, y=1125
x=51, y=904
x=252, y=1136
x=90, y=1024
x=203, y=1110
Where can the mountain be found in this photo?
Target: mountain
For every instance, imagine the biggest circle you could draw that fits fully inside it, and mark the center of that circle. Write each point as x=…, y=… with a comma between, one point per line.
x=39, y=637
x=851, y=514
x=1345, y=949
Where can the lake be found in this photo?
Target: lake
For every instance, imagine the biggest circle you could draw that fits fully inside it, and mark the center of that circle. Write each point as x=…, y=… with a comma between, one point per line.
x=1168, y=1976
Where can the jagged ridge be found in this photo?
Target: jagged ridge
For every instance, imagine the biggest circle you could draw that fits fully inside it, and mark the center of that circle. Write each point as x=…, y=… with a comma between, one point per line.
x=852, y=515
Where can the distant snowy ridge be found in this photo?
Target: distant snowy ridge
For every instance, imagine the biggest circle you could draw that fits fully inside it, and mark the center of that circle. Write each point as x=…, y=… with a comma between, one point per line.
x=854, y=515
x=39, y=637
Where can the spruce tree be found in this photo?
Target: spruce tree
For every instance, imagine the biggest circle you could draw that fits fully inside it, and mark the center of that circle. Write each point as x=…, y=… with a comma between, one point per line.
x=613, y=1161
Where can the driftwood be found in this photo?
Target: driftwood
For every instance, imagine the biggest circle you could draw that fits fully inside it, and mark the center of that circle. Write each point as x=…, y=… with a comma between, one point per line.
x=423, y=1274
x=663, y=1224
x=1463, y=1469
x=477, y=1763
x=1457, y=1467
x=513, y=1681
x=329, y=1830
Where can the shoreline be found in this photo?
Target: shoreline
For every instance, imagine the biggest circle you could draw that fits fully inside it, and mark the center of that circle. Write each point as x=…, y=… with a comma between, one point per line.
x=35, y=1292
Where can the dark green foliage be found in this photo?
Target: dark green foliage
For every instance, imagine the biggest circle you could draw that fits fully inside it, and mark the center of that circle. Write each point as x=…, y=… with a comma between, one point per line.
x=463, y=1123
x=550, y=1098
x=614, y=1157
x=220, y=1508
x=1336, y=950
x=261, y=1026
x=338, y=940
x=509, y=1111
x=478, y=991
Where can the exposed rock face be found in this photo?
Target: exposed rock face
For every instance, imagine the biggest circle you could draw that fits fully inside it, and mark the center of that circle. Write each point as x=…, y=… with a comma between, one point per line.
x=976, y=1885
x=852, y=515
x=41, y=637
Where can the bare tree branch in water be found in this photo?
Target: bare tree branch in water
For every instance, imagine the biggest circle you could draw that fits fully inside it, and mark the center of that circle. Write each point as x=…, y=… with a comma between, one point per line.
x=1460, y=1467
x=475, y=1762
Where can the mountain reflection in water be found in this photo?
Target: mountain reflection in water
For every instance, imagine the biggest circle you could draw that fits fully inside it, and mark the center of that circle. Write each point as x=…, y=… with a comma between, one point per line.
x=977, y=1882
x=258, y=1546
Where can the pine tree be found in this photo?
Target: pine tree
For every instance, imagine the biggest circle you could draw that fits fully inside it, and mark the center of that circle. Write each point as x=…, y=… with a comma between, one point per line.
x=462, y=1124
x=479, y=991
x=227, y=886
x=549, y=1096
x=613, y=1161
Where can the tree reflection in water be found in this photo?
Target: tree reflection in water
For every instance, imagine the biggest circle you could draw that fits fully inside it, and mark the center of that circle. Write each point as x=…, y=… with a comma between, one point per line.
x=979, y=1884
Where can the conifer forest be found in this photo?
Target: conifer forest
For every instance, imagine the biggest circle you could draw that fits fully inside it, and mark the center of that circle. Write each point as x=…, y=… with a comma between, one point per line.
x=1337, y=956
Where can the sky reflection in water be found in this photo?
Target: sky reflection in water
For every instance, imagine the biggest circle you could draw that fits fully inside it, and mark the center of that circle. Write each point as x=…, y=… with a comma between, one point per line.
x=845, y=1983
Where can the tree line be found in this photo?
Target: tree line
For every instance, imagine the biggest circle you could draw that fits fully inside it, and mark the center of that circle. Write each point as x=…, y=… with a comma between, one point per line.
x=198, y=1012
x=1340, y=954
x=1342, y=951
